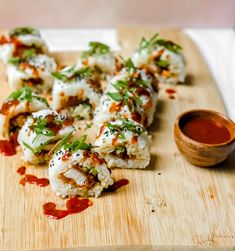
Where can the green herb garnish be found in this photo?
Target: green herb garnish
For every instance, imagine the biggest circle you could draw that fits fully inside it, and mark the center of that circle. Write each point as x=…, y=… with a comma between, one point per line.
x=126, y=124
x=79, y=144
x=60, y=143
x=25, y=56
x=115, y=96
x=88, y=126
x=71, y=74
x=85, y=169
x=116, y=129
x=154, y=40
x=24, y=31
x=38, y=149
x=94, y=171
x=40, y=128
x=15, y=60
x=119, y=149
x=26, y=94
x=96, y=48
x=125, y=94
x=29, y=53
x=171, y=46
x=130, y=126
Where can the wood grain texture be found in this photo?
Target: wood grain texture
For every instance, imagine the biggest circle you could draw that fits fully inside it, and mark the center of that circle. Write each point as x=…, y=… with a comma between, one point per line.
x=169, y=205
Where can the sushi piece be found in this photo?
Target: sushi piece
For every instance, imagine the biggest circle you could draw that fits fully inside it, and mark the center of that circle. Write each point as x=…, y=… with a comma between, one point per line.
x=16, y=108
x=101, y=59
x=77, y=170
x=76, y=92
x=19, y=40
x=130, y=94
x=40, y=133
x=123, y=143
x=34, y=70
x=161, y=57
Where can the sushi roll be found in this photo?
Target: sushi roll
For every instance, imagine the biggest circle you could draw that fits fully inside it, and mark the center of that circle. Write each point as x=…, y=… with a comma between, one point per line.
x=33, y=70
x=16, y=108
x=99, y=57
x=123, y=143
x=76, y=92
x=40, y=133
x=161, y=57
x=130, y=94
x=19, y=40
x=77, y=170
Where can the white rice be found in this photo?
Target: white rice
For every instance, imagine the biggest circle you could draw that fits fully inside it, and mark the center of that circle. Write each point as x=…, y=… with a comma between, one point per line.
x=110, y=145
x=21, y=108
x=176, y=70
x=43, y=64
x=34, y=140
x=75, y=181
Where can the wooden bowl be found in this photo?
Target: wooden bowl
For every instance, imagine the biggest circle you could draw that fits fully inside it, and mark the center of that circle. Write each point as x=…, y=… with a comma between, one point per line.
x=201, y=154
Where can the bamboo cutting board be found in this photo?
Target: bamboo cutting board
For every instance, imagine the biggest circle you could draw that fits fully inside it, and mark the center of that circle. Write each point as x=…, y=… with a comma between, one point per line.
x=169, y=205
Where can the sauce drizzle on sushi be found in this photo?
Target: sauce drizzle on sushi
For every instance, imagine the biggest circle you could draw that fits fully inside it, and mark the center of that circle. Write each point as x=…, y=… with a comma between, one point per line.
x=7, y=105
x=73, y=205
x=31, y=179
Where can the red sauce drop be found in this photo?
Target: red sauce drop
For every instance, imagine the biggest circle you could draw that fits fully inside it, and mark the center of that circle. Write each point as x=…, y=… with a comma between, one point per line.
x=8, y=148
x=21, y=170
x=73, y=205
x=172, y=97
x=31, y=179
x=206, y=130
x=66, y=155
x=116, y=185
x=170, y=91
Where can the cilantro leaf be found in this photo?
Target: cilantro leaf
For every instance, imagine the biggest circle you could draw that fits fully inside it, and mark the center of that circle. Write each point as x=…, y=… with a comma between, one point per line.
x=115, y=95
x=59, y=144
x=96, y=48
x=24, y=31
x=71, y=74
x=15, y=60
x=153, y=41
x=126, y=124
x=26, y=94
x=79, y=144
x=38, y=149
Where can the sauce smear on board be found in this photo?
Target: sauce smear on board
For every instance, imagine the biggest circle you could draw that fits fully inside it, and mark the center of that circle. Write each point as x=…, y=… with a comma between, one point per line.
x=21, y=170
x=116, y=185
x=170, y=91
x=73, y=205
x=8, y=148
x=31, y=179
x=206, y=130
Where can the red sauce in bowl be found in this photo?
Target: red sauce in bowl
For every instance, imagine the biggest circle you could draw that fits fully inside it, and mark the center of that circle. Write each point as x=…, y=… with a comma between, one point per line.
x=206, y=130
